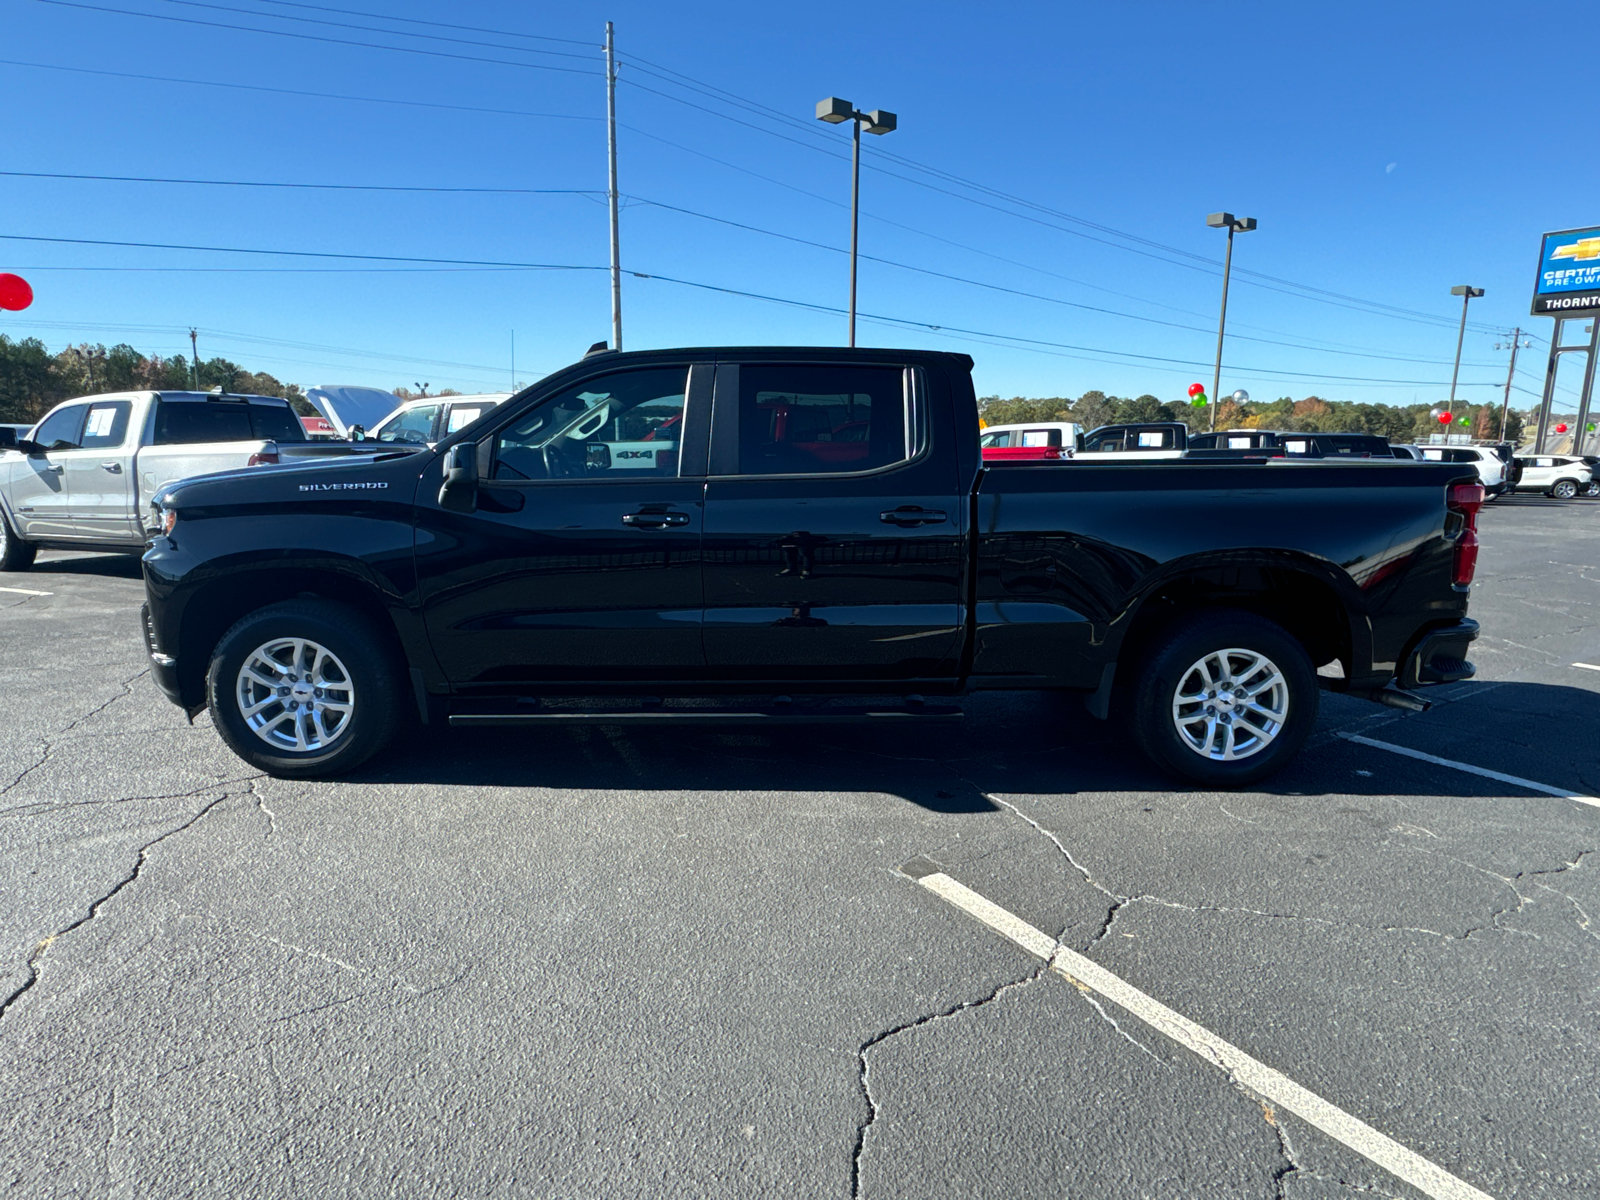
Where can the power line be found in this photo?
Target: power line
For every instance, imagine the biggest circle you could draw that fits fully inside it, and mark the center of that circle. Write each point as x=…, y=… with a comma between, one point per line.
x=313, y=37
x=330, y=187
x=458, y=262
x=719, y=220
x=433, y=37
x=349, y=12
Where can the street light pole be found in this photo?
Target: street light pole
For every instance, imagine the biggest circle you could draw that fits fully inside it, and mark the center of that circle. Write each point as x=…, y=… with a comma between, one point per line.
x=1233, y=225
x=835, y=111
x=611, y=149
x=194, y=349
x=1466, y=293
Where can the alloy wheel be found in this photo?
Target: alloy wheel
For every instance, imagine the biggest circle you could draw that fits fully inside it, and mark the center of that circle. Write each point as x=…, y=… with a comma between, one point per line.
x=1230, y=705
x=295, y=695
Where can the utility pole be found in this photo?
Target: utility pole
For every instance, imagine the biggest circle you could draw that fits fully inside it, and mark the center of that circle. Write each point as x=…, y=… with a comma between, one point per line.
x=194, y=350
x=1516, y=338
x=611, y=146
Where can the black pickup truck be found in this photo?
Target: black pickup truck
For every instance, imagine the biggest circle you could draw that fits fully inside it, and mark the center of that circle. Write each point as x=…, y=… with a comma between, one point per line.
x=667, y=534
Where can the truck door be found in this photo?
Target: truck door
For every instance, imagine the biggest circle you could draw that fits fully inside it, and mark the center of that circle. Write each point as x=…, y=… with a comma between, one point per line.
x=833, y=526
x=582, y=559
x=39, y=496
x=100, y=479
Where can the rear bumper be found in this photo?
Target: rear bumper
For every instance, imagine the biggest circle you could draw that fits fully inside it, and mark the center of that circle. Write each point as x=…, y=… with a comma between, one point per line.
x=1440, y=656
x=163, y=667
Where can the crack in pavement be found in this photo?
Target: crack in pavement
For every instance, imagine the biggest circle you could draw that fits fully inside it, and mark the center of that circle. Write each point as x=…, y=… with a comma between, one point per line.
x=96, y=905
x=864, y=1068
x=36, y=810
x=127, y=690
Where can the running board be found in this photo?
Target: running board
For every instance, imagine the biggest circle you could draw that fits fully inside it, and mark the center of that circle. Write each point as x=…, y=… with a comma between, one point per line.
x=714, y=716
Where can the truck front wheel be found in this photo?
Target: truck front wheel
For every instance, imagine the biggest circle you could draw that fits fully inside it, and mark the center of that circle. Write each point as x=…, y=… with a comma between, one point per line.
x=303, y=689
x=1226, y=698
x=15, y=554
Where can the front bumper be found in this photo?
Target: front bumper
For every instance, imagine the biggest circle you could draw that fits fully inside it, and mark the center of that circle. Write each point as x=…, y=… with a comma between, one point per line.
x=163, y=667
x=1440, y=656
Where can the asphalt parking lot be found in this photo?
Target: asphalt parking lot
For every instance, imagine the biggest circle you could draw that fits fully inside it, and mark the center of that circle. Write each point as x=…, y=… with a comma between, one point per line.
x=601, y=962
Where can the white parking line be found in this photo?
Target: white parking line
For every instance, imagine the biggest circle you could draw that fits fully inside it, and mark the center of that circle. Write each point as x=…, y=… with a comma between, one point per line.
x=1270, y=1085
x=26, y=591
x=1516, y=780
x=1587, y=666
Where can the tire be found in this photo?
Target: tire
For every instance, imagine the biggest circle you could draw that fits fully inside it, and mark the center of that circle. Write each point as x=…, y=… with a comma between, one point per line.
x=1238, y=750
x=15, y=554
x=1564, y=489
x=1591, y=489
x=331, y=729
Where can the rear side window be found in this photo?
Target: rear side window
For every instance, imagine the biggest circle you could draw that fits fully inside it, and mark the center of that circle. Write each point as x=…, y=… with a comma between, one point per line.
x=107, y=424
x=198, y=422
x=1041, y=437
x=462, y=415
x=799, y=419
x=273, y=424
x=62, y=429
x=1155, y=439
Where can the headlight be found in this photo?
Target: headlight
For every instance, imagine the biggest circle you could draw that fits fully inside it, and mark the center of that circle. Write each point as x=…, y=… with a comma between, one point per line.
x=162, y=519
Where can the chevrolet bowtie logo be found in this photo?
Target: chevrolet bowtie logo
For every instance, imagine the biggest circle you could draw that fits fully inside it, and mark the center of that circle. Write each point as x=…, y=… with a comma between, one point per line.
x=1585, y=250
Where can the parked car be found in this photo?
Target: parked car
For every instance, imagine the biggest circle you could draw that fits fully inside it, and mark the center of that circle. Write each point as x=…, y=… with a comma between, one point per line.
x=309, y=607
x=351, y=410
x=423, y=422
x=1490, y=466
x=84, y=475
x=1059, y=434
x=1149, y=442
x=1592, y=490
x=1303, y=445
x=1560, y=475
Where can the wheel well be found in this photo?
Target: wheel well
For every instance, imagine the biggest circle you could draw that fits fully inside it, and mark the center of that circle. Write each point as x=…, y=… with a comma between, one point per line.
x=1305, y=606
x=216, y=607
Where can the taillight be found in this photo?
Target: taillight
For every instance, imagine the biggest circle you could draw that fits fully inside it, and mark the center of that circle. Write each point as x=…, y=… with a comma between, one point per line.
x=262, y=458
x=1466, y=499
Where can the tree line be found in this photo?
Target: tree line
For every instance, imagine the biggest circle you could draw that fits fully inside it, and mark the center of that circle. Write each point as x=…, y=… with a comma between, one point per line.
x=1399, y=423
x=32, y=380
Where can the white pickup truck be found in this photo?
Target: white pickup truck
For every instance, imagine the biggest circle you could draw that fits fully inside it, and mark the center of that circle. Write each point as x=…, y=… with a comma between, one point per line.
x=84, y=476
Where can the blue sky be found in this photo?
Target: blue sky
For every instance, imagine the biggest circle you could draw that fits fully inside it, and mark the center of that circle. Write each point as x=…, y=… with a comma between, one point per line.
x=1388, y=151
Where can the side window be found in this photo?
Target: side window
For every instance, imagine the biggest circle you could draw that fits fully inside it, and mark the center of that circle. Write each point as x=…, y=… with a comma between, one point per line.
x=802, y=419
x=1155, y=439
x=1240, y=443
x=62, y=429
x=1001, y=439
x=414, y=426
x=1108, y=443
x=107, y=425
x=197, y=422
x=1041, y=437
x=626, y=425
x=462, y=415
x=1296, y=446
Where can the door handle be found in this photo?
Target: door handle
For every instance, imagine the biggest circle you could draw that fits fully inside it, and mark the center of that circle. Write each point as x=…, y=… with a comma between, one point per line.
x=54, y=468
x=910, y=514
x=114, y=467
x=655, y=520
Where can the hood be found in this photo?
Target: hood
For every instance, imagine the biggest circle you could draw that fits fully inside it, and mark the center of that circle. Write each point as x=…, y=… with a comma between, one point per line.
x=346, y=407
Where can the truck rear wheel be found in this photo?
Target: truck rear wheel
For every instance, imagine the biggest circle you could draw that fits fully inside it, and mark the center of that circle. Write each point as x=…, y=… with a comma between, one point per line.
x=1226, y=698
x=303, y=689
x=15, y=554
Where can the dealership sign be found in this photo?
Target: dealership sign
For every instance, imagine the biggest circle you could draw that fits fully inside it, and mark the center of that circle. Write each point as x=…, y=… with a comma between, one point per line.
x=1569, y=274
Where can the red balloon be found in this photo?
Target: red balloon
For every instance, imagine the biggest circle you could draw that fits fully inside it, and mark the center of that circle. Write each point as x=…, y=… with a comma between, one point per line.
x=1196, y=388
x=1445, y=418
x=1562, y=428
x=15, y=293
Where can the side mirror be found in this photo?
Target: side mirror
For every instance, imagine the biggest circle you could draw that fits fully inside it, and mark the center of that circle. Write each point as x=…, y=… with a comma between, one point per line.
x=358, y=433
x=1077, y=442
x=31, y=449
x=459, y=491
x=598, y=457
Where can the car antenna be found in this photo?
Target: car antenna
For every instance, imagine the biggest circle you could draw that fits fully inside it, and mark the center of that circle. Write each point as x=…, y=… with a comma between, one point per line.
x=598, y=348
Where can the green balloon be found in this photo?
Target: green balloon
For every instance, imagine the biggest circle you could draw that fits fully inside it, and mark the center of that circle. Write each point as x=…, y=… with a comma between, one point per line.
x=1200, y=400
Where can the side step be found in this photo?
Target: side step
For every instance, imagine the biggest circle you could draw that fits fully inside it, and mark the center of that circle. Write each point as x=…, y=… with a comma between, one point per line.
x=780, y=715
